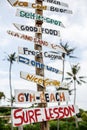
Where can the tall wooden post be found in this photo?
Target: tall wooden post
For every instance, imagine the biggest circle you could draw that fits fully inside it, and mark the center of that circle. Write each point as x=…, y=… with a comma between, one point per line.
x=43, y=125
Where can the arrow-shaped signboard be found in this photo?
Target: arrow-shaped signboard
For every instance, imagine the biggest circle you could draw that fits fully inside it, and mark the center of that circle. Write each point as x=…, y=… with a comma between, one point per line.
x=37, y=29
x=38, y=6
x=13, y=2
x=30, y=15
x=37, y=41
x=38, y=64
x=27, y=96
x=39, y=80
x=52, y=56
x=55, y=2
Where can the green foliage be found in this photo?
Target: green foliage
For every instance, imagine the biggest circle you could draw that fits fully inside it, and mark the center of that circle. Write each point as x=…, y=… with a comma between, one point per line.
x=64, y=124
x=32, y=127
x=5, y=111
x=84, y=116
x=2, y=95
x=83, y=125
x=53, y=125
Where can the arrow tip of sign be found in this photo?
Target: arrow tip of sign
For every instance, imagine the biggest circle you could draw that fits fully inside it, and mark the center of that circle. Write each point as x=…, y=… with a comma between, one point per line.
x=10, y=2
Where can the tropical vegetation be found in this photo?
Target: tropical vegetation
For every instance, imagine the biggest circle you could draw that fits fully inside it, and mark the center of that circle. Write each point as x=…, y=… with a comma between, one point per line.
x=64, y=125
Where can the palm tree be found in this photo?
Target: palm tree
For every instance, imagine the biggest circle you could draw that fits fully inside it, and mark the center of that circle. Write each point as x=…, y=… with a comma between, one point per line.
x=11, y=58
x=2, y=95
x=68, y=53
x=75, y=79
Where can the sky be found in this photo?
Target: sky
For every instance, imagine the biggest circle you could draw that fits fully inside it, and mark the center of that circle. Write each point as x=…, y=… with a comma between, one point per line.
x=74, y=33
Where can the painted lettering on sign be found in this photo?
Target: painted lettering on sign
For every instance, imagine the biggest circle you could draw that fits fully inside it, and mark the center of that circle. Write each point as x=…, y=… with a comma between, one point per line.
x=37, y=29
x=27, y=4
x=28, y=116
x=38, y=65
x=55, y=2
x=39, y=80
x=39, y=6
x=26, y=51
x=36, y=41
x=22, y=13
x=55, y=9
x=27, y=96
x=15, y=2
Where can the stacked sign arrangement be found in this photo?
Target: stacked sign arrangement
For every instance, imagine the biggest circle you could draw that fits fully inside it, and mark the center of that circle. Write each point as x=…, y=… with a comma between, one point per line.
x=28, y=116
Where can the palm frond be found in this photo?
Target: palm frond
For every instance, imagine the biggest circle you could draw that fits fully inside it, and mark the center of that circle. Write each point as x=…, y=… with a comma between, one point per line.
x=82, y=77
x=78, y=82
x=82, y=81
x=67, y=78
x=70, y=82
x=69, y=74
x=61, y=88
x=73, y=56
x=54, y=52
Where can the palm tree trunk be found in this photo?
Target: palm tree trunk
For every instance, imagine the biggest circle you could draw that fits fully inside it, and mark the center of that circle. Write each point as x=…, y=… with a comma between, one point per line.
x=63, y=70
x=59, y=103
x=76, y=119
x=11, y=94
x=74, y=92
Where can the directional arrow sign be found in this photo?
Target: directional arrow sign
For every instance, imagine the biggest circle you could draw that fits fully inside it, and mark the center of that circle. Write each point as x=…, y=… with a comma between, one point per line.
x=26, y=51
x=13, y=2
x=36, y=41
x=38, y=6
x=30, y=15
x=23, y=60
x=37, y=29
x=38, y=65
x=55, y=2
x=39, y=80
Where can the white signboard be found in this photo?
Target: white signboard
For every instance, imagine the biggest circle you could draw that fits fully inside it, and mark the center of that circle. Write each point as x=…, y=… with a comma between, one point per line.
x=39, y=6
x=37, y=29
x=39, y=80
x=27, y=116
x=52, y=56
x=36, y=41
x=30, y=15
x=26, y=96
x=55, y=2
x=38, y=64
x=13, y=2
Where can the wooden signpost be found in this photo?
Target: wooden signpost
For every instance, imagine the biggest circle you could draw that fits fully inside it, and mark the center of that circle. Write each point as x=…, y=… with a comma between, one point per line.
x=43, y=113
x=43, y=125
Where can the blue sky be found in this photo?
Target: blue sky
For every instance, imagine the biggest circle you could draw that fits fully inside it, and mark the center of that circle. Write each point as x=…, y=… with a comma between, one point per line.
x=74, y=33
